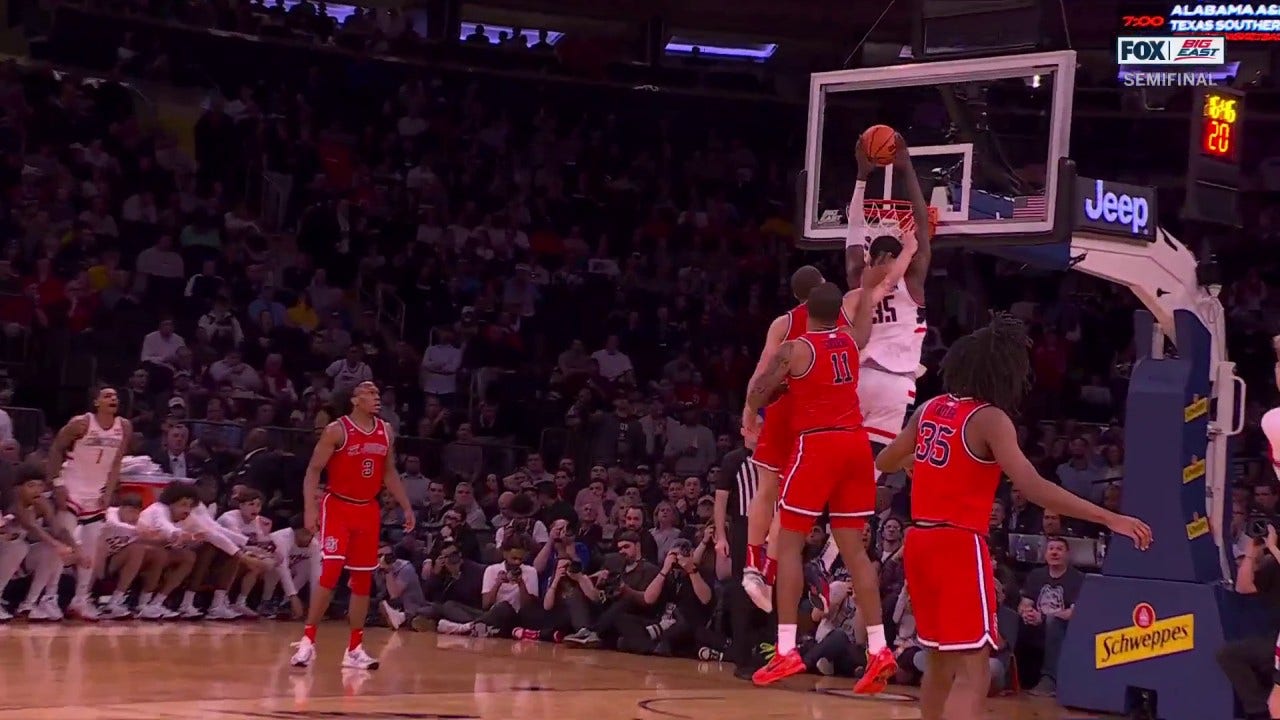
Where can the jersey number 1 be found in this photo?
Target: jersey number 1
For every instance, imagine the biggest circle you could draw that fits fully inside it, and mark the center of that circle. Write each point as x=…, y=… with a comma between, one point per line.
x=840, y=370
x=933, y=443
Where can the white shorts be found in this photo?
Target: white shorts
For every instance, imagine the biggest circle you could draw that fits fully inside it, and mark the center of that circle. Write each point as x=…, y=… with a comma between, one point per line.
x=885, y=399
x=84, y=498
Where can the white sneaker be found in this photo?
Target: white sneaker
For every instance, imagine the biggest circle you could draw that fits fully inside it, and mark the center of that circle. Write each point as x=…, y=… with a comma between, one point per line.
x=305, y=653
x=760, y=592
x=481, y=630
x=150, y=612
x=24, y=608
x=448, y=627
x=189, y=611
x=5, y=616
x=358, y=659
x=166, y=613
x=83, y=609
x=221, y=611
x=47, y=609
x=116, y=611
x=394, y=617
x=243, y=611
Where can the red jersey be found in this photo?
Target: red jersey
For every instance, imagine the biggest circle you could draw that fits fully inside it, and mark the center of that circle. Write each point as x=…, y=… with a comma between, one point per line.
x=949, y=484
x=798, y=322
x=356, y=468
x=826, y=395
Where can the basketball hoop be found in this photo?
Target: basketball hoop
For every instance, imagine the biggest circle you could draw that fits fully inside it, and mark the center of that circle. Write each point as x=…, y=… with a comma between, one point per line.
x=894, y=217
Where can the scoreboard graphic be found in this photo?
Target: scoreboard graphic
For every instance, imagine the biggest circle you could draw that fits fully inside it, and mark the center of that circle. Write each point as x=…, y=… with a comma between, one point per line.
x=1237, y=22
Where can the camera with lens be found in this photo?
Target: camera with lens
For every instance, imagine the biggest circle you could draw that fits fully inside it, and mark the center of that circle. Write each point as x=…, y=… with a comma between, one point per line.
x=1257, y=523
x=575, y=567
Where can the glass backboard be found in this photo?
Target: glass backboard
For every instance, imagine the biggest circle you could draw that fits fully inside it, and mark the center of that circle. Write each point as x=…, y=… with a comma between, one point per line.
x=985, y=137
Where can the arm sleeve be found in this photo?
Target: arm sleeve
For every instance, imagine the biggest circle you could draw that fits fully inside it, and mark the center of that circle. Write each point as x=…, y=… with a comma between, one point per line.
x=282, y=563
x=156, y=516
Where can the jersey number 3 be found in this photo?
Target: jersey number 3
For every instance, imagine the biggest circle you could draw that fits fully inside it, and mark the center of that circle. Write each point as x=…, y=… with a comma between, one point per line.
x=933, y=443
x=840, y=370
x=366, y=468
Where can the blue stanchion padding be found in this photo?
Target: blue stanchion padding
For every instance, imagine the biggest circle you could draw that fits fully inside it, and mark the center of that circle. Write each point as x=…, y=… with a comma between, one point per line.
x=1153, y=621
x=1166, y=441
x=1108, y=654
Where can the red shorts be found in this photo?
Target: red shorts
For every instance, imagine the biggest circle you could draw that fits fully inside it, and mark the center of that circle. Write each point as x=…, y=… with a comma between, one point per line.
x=951, y=588
x=776, y=439
x=829, y=470
x=349, y=532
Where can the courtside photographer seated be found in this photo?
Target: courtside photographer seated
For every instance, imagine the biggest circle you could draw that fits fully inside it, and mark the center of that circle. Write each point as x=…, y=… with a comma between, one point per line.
x=1249, y=662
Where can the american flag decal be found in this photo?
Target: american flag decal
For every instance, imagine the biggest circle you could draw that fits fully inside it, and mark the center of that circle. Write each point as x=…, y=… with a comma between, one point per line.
x=1029, y=207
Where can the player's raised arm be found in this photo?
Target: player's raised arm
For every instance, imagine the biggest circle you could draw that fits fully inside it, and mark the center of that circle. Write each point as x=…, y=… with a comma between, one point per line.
x=391, y=478
x=915, y=269
x=328, y=442
x=860, y=304
x=855, y=242
x=899, y=454
x=993, y=430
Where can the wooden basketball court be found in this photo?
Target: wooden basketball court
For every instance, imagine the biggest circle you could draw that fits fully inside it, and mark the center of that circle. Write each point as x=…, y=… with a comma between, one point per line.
x=132, y=671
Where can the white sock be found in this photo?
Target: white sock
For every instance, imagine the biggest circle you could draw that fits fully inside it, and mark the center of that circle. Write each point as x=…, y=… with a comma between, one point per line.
x=117, y=597
x=787, y=639
x=219, y=597
x=244, y=597
x=145, y=598
x=158, y=599
x=875, y=638
x=189, y=598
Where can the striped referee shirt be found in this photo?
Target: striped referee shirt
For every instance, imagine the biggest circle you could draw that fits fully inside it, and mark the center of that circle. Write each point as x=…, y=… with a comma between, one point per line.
x=740, y=479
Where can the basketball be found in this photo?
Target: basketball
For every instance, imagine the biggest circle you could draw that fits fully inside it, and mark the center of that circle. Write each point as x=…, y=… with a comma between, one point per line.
x=879, y=144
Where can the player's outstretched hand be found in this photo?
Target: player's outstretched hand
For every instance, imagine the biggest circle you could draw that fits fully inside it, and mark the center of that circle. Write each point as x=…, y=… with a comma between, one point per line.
x=901, y=153
x=750, y=425
x=1132, y=528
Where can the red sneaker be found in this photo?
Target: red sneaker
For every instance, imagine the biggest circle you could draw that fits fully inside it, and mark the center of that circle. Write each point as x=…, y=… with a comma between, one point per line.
x=524, y=634
x=780, y=667
x=880, y=669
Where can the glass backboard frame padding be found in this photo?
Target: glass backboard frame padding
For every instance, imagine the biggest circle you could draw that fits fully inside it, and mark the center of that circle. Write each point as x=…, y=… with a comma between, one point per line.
x=1061, y=64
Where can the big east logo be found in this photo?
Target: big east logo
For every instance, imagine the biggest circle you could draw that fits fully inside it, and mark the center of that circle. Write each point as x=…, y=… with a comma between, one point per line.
x=1171, y=51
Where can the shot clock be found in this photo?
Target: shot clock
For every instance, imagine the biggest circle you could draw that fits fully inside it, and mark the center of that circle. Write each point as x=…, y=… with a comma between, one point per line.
x=1220, y=126
x=1213, y=161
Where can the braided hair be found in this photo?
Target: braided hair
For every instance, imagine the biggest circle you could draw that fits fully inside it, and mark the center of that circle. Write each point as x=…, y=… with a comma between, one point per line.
x=991, y=364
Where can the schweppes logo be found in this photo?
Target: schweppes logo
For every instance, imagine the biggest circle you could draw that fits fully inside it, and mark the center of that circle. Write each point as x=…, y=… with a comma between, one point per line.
x=1199, y=406
x=1193, y=471
x=1147, y=638
x=1197, y=527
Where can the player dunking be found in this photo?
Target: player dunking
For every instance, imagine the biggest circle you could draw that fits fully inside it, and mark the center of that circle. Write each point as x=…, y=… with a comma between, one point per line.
x=92, y=446
x=958, y=445
x=357, y=451
x=774, y=439
x=887, y=381
x=830, y=467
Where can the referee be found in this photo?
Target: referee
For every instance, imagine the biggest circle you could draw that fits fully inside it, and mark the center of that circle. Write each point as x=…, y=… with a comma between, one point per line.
x=739, y=480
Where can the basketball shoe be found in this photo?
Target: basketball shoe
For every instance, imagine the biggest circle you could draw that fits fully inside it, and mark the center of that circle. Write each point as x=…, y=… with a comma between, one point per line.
x=47, y=609
x=779, y=667
x=358, y=659
x=82, y=608
x=880, y=669
x=758, y=589
x=305, y=653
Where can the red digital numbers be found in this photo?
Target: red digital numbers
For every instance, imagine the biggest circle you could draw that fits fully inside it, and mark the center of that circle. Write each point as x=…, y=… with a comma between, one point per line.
x=1218, y=140
x=1143, y=21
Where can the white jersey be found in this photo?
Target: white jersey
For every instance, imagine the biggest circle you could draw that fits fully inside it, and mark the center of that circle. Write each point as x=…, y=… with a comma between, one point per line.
x=258, y=530
x=287, y=550
x=897, y=337
x=89, y=462
x=116, y=533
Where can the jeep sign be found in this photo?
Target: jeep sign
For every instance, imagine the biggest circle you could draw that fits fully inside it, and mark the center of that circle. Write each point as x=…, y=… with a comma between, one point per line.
x=1115, y=208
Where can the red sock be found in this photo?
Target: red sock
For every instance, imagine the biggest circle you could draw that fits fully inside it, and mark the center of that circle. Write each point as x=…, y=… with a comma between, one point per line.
x=755, y=557
x=309, y=632
x=770, y=570
x=357, y=637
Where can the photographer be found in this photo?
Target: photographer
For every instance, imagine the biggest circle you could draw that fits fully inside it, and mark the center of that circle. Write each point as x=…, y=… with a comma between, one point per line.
x=509, y=595
x=571, y=594
x=1247, y=662
x=452, y=587
x=398, y=583
x=622, y=585
x=684, y=598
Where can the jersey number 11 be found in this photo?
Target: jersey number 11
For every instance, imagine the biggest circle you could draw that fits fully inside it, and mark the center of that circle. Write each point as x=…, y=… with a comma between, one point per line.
x=840, y=370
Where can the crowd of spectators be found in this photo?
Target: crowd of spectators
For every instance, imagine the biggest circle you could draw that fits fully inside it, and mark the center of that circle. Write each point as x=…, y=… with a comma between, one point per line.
x=563, y=303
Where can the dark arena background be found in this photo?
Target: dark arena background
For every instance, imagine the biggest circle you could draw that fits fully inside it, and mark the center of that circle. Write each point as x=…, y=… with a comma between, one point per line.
x=555, y=233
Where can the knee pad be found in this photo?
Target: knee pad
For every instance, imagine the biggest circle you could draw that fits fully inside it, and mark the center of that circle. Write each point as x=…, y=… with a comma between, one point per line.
x=361, y=582
x=330, y=571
